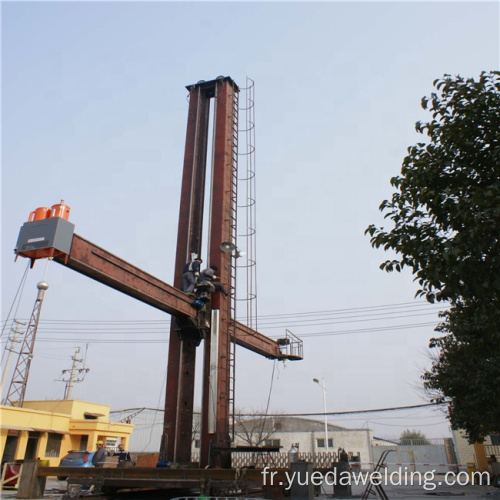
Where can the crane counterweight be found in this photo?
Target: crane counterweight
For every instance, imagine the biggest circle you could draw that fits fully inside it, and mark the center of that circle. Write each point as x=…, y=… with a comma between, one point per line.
x=48, y=233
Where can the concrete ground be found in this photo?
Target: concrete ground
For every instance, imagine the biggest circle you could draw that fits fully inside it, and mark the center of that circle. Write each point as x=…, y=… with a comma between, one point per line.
x=408, y=492
x=55, y=489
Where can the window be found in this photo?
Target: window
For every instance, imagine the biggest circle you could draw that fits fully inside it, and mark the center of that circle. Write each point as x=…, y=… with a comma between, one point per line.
x=53, y=445
x=320, y=442
x=495, y=439
x=272, y=443
x=84, y=442
x=196, y=443
x=32, y=446
x=10, y=447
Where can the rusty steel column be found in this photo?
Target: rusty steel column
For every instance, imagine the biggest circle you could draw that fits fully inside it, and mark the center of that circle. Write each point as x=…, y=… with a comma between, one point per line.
x=177, y=427
x=220, y=230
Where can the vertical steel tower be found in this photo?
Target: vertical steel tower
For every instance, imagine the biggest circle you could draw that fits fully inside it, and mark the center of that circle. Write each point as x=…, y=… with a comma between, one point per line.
x=222, y=228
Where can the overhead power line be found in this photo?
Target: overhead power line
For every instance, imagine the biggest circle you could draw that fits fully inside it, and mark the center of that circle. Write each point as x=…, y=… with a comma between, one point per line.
x=351, y=412
x=166, y=340
x=364, y=309
x=304, y=323
x=121, y=340
x=346, y=314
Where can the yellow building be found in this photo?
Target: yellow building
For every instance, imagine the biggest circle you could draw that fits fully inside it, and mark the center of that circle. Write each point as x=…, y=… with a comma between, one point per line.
x=48, y=430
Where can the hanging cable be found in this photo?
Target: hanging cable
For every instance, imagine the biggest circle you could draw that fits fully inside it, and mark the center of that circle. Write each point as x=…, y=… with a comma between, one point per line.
x=154, y=418
x=268, y=399
x=19, y=293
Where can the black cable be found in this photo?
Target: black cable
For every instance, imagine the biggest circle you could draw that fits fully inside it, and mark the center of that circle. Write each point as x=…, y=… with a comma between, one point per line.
x=351, y=412
x=19, y=292
x=268, y=401
x=356, y=312
x=164, y=340
x=354, y=309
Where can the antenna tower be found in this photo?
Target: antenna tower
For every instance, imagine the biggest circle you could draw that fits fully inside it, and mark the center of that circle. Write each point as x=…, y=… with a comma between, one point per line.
x=17, y=388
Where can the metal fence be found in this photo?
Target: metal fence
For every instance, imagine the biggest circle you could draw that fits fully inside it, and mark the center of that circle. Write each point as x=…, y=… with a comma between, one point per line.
x=279, y=460
x=492, y=449
x=420, y=442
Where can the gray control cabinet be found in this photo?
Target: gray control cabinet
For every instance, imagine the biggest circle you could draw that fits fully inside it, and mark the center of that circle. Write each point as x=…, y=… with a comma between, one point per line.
x=55, y=232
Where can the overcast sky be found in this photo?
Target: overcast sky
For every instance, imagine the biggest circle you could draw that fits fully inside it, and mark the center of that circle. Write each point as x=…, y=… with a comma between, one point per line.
x=94, y=111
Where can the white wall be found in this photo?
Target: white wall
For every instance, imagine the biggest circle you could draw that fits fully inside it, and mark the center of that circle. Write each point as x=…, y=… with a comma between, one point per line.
x=357, y=441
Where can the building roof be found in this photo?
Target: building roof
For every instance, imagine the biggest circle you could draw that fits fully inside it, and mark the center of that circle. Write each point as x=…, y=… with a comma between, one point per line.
x=288, y=424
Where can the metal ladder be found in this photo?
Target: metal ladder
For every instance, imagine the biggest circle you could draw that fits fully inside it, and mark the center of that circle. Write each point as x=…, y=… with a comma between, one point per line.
x=377, y=487
x=247, y=209
x=232, y=263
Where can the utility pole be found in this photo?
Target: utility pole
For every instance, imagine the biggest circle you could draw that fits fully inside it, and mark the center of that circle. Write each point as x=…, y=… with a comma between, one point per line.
x=13, y=340
x=73, y=370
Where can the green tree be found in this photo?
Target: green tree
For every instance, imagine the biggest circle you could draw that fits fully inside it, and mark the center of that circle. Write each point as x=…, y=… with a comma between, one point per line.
x=446, y=226
x=416, y=437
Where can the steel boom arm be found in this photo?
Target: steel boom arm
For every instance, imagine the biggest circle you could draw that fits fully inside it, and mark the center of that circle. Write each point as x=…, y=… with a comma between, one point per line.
x=99, y=264
x=256, y=342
